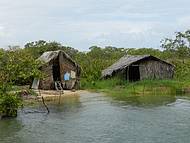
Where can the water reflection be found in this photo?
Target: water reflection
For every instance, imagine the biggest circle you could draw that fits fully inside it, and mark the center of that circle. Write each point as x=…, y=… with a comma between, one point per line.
x=65, y=104
x=9, y=129
x=148, y=100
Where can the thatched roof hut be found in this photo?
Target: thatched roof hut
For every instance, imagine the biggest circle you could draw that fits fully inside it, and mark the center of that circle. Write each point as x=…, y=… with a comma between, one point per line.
x=139, y=67
x=55, y=65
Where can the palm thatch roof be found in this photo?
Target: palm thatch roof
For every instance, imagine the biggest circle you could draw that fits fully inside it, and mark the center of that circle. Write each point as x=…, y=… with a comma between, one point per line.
x=126, y=61
x=49, y=56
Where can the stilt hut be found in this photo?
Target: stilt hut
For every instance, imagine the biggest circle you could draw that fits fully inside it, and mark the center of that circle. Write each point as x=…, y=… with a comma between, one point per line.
x=57, y=67
x=139, y=67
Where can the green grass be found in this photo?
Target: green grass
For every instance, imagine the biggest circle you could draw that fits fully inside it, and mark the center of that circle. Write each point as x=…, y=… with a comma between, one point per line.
x=121, y=89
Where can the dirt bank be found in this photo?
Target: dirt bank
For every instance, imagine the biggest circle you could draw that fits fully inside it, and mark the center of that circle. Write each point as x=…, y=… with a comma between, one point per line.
x=53, y=94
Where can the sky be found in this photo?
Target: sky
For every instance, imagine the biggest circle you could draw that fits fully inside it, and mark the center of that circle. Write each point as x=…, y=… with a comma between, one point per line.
x=84, y=23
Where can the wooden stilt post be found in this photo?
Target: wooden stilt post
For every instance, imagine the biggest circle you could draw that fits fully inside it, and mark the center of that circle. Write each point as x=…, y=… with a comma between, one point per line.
x=44, y=102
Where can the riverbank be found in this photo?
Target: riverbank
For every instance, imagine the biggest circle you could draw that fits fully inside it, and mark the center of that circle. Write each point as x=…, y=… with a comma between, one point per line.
x=121, y=89
x=49, y=95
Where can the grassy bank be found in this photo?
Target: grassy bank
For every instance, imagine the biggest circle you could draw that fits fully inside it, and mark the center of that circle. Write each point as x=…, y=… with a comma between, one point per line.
x=120, y=89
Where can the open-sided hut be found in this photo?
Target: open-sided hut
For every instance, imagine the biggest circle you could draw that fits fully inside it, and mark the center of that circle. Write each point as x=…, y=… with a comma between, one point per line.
x=139, y=67
x=55, y=65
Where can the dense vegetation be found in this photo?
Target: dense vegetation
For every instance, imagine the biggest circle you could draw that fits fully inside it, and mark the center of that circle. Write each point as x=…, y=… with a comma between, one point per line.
x=18, y=66
x=97, y=58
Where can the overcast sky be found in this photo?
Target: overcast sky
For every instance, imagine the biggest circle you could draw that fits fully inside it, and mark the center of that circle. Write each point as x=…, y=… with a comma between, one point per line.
x=83, y=23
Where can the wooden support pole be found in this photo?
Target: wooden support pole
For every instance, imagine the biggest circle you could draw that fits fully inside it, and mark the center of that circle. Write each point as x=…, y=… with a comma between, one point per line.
x=45, y=105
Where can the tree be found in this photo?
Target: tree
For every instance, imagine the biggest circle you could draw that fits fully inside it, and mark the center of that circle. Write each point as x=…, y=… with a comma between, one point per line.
x=37, y=48
x=16, y=65
x=97, y=59
x=179, y=46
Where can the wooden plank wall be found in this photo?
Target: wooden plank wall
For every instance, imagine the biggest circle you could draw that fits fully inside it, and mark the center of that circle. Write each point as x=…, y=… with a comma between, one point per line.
x=65, y=66
x=152, y=69
x=47, y=82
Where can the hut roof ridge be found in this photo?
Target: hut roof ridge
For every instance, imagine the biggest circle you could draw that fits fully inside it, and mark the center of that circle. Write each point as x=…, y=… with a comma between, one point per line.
x=46, y=57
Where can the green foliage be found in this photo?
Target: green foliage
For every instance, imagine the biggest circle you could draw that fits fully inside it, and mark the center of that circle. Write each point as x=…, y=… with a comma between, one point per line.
x=9, y=104
x=17, y=66
x=179, y=45
x=97, y=59
x=145, y=51
x=9, y=101
x=182, y=70
x=37, y=48
x=121, y=89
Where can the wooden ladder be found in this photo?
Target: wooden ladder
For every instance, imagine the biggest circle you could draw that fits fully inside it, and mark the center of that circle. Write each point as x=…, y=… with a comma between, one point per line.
x=59, y=87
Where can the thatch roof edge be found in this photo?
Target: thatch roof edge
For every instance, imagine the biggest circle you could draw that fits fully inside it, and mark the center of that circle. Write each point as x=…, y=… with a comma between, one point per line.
x=48, y=56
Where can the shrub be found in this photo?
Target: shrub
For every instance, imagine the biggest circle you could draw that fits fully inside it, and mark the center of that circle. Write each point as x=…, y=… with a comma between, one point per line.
x=9, y=104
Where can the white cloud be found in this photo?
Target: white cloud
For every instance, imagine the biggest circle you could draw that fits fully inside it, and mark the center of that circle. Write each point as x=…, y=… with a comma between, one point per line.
x=3, y=33
x=184, y=21
x=82, y=23
x=1, y=27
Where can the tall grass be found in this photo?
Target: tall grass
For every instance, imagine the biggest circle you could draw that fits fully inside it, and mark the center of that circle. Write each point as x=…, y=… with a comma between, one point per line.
x=120, y=88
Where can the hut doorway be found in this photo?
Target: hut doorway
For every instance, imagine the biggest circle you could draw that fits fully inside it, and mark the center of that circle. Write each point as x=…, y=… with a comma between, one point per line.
x=133, y=73
x=56, y=71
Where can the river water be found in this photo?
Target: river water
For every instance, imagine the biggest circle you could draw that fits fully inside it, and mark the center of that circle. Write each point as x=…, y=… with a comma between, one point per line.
x=92, y=117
